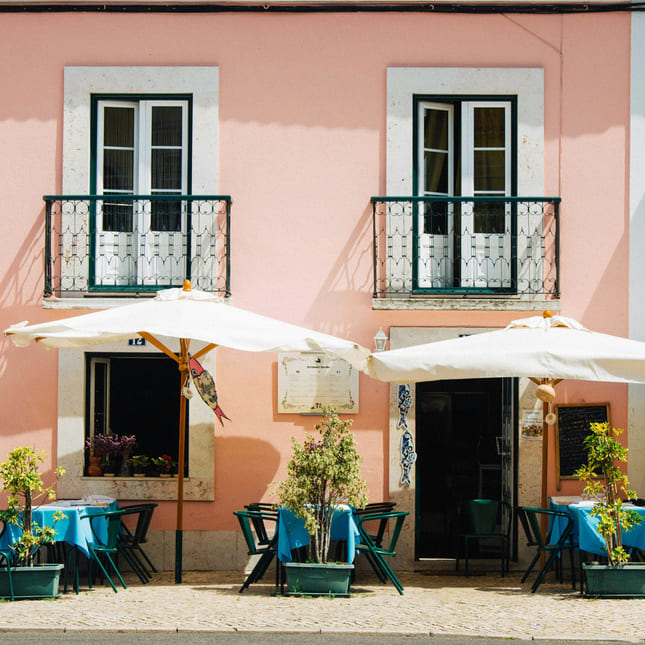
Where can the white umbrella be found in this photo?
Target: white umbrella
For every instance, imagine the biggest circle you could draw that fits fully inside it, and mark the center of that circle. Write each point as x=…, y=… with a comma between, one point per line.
x=537, y=347
x=185, y=315
x=545, y=349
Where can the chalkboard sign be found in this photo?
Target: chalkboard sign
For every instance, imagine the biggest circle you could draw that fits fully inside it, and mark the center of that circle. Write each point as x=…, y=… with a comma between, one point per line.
x=573, y=424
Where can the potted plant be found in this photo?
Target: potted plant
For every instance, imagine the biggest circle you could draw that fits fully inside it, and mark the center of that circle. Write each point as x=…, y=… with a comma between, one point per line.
x=322, y=473
x=140, y=464
x=164, y=465
x=126, y=445
x=608, y=486
x=22, y=481
x=107, y=447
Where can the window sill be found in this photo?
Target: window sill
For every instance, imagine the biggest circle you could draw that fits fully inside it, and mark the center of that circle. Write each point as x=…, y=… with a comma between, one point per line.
x=466, y=303
x=135, y=488
x=93, y=302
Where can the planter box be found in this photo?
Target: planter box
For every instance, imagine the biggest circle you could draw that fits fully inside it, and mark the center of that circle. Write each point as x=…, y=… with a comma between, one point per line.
x=312, y=579
x=40, y=581
x=625, y=581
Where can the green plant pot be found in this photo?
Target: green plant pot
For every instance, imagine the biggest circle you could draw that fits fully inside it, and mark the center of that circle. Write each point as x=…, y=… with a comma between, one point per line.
x=624, y=581
x=40, y=581
x=312, y=579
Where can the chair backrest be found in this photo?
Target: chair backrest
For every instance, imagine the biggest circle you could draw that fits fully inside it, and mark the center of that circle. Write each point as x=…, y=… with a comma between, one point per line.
x=263, y=512
x=245, y=519
x=399, y=516
x=113, y=526
x=485, y=517
x=377, y=507
x=531, y=520
x=144, y=516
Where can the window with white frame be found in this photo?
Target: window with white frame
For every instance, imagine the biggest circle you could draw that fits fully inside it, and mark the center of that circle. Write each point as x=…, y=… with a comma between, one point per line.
x=141, y=147
x=465, y=144
x=464, y=147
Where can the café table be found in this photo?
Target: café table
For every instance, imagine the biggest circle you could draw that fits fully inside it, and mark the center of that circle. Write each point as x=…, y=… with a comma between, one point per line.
x=585, y=535
x=293, y=535
x=71, y=529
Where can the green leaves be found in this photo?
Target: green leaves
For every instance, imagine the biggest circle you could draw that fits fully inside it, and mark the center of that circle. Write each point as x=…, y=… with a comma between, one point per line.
x=607, y=484
x=21, y=479
x=322, y=473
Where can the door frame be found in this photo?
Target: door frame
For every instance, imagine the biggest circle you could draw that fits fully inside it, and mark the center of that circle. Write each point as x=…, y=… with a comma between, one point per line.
x=527, y=459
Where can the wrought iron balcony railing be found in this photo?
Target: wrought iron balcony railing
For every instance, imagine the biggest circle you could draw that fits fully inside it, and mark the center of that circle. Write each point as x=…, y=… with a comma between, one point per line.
x=116, y=244
x=466, y=246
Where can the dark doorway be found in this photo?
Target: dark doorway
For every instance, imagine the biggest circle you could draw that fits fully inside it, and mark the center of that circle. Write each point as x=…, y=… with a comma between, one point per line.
x=463, y=445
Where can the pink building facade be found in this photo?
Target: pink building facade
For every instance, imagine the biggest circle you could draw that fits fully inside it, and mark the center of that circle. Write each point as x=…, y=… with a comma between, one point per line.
x=328, y=154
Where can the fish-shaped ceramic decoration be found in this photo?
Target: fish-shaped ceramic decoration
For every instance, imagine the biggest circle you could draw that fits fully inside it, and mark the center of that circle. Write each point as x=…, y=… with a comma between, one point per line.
x=404, y=405
x=408, y=457
x=205, y=385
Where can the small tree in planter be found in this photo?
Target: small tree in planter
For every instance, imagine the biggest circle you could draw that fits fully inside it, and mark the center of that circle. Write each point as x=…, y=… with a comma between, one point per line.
x=607, y=484
x=21, y=479
x=321, y=474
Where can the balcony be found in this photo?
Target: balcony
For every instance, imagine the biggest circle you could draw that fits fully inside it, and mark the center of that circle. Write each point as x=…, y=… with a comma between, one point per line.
x=130, y=244
x=467, y=247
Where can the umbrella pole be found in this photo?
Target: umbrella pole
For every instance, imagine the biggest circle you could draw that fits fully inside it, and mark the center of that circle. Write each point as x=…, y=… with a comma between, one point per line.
x=183, y=368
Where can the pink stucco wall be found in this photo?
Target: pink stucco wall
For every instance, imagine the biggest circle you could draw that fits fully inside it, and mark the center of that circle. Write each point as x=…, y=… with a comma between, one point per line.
x=302, y=149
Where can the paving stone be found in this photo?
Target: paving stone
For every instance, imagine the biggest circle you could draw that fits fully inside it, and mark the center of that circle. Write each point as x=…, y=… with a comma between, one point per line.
x=481, y=605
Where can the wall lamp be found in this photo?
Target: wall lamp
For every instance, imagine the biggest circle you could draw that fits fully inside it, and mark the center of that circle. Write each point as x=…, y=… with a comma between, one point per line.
x=379, y=340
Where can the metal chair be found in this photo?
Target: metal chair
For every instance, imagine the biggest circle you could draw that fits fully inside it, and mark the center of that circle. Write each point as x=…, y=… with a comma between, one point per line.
x=377, y=507
x=130, y=540
x=8, y=556
x=376, y=554
x=530, y=519
x=266, y=551
x=267, y=513
x=485, y=520
x=106, y=548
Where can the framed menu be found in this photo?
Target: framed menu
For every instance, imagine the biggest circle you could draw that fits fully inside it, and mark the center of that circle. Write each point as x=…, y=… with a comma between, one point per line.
x=573, y=424
x=308, y=381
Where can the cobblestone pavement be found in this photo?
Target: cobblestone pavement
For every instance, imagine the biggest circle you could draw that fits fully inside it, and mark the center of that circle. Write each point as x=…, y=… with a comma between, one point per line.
x=481, y=605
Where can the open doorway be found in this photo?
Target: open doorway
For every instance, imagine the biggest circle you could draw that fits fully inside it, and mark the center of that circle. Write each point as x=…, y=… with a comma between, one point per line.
x=464, y=431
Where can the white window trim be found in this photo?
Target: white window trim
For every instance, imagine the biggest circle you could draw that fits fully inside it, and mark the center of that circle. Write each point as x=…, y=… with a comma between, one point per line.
x=527, y=83
x=403, y=83
x=80, y=84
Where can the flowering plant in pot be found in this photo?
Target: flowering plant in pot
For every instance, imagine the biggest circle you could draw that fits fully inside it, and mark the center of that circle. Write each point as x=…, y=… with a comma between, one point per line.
x=164, y=464
x=608, y=486
x=23, y=482
x=323, y=473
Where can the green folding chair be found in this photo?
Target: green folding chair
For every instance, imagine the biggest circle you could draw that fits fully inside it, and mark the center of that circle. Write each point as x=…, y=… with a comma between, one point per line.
x=266, y=551
x=530, y=519
x=99, y=549
x=376, y=554
x=484, y=520
x=130, y=540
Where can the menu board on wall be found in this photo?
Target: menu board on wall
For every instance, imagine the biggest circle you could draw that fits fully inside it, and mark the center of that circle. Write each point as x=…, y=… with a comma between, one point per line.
x=308, y=381
x=573, y=424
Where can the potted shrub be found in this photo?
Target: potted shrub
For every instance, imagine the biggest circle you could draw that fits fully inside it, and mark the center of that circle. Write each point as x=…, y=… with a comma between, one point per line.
x=608, y=486
x=140, y=464
x=22, y=481
x=322, y=473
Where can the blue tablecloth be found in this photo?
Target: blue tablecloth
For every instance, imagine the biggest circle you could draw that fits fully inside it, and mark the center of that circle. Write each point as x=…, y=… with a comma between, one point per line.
x=292, y=533
x=72, y=530
x=585, y=535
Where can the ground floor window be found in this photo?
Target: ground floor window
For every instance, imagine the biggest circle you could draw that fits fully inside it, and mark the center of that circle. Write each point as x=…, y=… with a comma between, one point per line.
x=135, y=394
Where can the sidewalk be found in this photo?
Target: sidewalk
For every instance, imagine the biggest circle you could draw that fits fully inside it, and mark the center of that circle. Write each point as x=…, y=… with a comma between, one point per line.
x=482, y=605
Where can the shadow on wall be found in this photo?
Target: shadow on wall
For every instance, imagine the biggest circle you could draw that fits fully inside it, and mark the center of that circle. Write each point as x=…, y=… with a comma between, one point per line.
x=22, y=283
x=244, y=468
x=349, y=284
